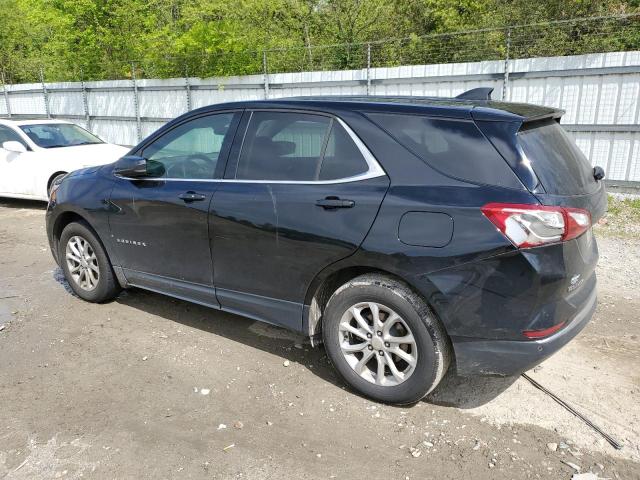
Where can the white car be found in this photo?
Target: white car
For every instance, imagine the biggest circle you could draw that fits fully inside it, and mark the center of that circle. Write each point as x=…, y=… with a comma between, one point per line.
x=34, y=153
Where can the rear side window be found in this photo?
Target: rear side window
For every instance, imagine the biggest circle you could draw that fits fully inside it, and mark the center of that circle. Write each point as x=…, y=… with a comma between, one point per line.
x=453, y=147
x=342, y=158
x=292, y=146
x=559, y=164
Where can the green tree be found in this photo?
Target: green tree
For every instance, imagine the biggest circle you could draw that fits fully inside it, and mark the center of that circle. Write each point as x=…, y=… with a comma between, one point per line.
x=101, y=39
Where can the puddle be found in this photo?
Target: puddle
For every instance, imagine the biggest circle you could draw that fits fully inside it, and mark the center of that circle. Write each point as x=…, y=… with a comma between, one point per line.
x=58, y=276
x=276, y=333
x=5, y=312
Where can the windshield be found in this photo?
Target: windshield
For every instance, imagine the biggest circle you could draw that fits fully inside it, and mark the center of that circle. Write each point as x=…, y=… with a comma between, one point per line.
x=558, y=162
x=56, y=135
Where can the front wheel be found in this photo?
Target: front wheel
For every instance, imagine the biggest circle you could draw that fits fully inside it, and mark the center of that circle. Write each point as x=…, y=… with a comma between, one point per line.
x=384, y=340
x=86, y=265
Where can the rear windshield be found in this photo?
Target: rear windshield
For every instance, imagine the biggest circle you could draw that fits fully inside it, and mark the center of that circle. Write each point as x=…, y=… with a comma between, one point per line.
x=559, y=164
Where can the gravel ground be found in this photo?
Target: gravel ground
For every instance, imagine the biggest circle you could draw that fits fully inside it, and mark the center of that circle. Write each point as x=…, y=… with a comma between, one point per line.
x=151, y=387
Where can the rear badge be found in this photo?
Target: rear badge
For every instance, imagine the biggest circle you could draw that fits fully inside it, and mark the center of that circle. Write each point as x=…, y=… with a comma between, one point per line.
x=574, y=283
x=131, y=242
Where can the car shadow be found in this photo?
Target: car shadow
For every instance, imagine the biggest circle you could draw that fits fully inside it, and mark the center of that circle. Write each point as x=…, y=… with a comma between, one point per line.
x=19, y=203
x=271, y=339
x=453, y=391
x=468, y=392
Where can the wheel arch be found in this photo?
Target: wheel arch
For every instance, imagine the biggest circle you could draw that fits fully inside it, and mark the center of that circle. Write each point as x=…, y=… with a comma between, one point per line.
x=69, y=216
x=64, y=219
x=329, y=280
x=54, y=175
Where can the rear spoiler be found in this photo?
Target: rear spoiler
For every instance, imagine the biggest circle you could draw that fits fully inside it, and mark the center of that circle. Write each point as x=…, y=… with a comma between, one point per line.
x=515, y=112
x=520, y=112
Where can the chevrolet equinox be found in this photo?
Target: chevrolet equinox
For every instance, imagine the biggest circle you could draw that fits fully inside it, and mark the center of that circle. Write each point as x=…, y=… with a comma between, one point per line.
x=410, y=235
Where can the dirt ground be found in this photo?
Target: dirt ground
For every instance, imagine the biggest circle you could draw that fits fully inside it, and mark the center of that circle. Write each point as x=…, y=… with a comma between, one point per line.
x=151, y=387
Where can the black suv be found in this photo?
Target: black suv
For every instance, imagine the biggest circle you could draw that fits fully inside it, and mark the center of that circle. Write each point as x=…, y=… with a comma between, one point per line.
x=410, y=235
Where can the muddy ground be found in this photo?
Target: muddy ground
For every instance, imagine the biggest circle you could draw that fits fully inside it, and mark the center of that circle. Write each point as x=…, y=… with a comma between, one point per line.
x=151, y=387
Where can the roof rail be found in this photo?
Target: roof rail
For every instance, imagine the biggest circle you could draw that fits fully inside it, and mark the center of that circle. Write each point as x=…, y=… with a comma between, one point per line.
x=483, y=93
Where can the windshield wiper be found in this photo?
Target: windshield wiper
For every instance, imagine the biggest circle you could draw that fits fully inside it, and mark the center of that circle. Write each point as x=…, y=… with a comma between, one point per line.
x=71, y=144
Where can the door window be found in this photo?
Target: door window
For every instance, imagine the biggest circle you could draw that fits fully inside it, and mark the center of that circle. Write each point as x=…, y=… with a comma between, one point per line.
x=342, y=158
x=192, y=149
x=284, y=146
x=8, y=135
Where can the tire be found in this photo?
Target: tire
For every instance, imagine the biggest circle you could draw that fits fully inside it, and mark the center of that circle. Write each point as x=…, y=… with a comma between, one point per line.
x=423, y=362
x=53, y=182
x=92, y=278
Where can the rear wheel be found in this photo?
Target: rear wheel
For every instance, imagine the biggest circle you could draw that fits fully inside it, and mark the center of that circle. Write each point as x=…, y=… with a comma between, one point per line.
x=384, y=340
x=86, y=265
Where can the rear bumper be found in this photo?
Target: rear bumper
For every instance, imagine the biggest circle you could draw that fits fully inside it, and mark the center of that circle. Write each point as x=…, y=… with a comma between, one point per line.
x=510, y=357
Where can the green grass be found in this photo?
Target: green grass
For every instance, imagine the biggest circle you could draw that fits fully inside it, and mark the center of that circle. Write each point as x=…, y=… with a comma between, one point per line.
x=622, y=218
x=629, y=207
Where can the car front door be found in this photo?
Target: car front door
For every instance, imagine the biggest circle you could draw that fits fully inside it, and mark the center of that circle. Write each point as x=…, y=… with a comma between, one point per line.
x=301, y=193
x=15, y=178
x=159, y=226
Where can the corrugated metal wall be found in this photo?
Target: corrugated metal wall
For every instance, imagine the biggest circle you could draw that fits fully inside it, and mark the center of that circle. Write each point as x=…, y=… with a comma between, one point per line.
x=598, y=91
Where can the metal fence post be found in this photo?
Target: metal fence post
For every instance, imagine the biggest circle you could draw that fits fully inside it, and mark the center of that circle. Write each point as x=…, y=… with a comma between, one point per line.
x=368, y=69
x=265, y=73
x=6, y=96
x=187, y=87
x=45, y=94
x=505, y=80
x=136, y=103
x=85, y=103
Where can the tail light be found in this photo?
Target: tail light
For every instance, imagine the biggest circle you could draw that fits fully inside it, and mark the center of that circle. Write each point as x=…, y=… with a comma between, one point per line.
x=533, y=225
x=536, y=334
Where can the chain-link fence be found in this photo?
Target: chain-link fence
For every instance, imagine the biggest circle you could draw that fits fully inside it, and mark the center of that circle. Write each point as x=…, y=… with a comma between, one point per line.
x=564, y=37
x=588, y=67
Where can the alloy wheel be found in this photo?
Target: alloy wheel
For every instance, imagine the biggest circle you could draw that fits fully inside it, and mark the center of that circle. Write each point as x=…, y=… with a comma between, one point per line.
x=377, y=343
x=82, y=263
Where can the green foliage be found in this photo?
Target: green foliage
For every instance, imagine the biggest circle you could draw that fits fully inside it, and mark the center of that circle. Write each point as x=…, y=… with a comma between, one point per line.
x=622, y=217
x=100, y=39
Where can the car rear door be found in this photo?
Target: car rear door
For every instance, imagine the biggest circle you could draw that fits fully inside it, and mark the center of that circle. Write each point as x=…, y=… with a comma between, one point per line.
x=301, y=193
x=159, y=226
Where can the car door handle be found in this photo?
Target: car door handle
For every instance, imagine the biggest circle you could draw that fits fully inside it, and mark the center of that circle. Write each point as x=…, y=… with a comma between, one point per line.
x=189, y=197
x=331, y=203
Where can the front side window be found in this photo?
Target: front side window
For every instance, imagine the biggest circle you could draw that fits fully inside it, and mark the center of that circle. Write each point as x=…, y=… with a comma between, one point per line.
x=192, y=149
x=283, y=146
x=56, y=135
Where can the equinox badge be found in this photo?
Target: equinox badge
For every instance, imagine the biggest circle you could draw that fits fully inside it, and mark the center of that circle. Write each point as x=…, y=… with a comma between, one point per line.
x=575, y=282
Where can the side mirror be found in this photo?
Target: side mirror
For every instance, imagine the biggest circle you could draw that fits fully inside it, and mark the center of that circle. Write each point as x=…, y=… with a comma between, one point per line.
x=598, y=173
x=13, y=146
x=132, y=166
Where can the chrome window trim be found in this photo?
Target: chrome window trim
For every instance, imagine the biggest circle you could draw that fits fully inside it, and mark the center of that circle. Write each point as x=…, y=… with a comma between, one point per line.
x=374, y=170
